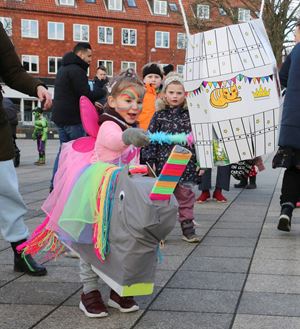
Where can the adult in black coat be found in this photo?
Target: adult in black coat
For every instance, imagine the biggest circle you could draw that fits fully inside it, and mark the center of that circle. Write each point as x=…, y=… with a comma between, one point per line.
x=70, y=84
x=288, y=155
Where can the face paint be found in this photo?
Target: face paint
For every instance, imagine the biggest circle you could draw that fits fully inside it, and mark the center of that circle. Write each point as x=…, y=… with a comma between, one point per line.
x=129, y=104
x=129, y=99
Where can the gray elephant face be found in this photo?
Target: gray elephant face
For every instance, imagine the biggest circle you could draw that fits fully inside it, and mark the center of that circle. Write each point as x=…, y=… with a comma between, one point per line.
x=141, y=217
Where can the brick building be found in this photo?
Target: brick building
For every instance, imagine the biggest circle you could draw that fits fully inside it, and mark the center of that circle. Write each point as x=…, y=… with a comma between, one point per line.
x=122, y=33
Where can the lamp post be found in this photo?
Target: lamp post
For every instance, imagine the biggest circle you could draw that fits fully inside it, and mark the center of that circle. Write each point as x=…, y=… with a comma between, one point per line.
x=152, y=51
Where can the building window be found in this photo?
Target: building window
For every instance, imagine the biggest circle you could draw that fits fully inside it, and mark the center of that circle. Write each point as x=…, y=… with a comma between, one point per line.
x=54, y=63
x=128, y=65
x=162, y=39
x=222, y=11
x=29, y=28
x=180, y=69
x=173, y=6
x=131, y=3
x=56, y=31
x=81, y=33
x=7, y=25
x=31, y=63
x=203, y=11
x=160, y=7
x=67, y=2
x=243, y=15
x=181, y=41
x=109, y=66
x=105, y=34
x=129, y=37
x=115, y=5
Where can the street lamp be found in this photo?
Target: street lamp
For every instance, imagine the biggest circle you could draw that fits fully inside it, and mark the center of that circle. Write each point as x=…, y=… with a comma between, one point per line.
x=152, y=51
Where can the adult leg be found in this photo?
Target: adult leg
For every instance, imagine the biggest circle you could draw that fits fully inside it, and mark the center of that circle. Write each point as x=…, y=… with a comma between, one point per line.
x=290, y=192
x=204, y=186
x=12, y=224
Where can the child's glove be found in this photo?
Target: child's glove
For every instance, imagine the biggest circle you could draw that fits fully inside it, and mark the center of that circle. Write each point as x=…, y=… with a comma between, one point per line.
x=135, y=136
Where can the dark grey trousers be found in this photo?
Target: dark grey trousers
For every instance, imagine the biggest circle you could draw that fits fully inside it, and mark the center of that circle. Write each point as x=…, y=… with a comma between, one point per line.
x=222, y=181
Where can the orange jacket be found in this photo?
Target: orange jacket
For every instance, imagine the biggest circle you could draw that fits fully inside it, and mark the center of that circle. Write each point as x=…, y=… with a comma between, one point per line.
x=148, y=107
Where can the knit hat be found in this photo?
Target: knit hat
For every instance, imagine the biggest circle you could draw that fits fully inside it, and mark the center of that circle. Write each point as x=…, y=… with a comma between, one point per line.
x=168, y=68
x=152, y=68
x=172, y=77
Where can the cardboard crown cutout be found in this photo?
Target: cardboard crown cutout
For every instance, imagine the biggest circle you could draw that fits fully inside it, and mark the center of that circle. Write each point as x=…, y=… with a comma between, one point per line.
x=233, y=93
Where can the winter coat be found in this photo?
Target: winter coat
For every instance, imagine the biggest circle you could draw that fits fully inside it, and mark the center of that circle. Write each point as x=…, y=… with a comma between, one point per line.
x=148, y=107
x=70, y=84
x=171, y=121
x=15, y=76
x=290, y=124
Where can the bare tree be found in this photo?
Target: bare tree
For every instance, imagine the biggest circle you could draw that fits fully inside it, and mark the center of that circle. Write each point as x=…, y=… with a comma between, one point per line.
x=279, y=17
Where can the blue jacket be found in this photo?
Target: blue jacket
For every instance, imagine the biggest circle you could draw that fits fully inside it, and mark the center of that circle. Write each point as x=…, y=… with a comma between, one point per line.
x=290, y=124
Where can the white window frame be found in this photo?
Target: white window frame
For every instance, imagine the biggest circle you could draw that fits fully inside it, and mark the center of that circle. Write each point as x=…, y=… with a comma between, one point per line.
x=81, y=39
x=105, y=34
x=56, y=37
x=115, y=5
x=129, y=65
x=160, y=7
x=56, y=64
x=164, y=33
x=7, y=24
x=244, y=15
x=30, y=57
x=104, y=62
x=29, y=35
x=178, y=69
x=67, y=3
x=129, y=30
x=179, y=36
x=203, y=11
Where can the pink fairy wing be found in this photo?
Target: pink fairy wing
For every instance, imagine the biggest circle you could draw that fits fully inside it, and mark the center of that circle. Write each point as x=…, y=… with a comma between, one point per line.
x=89, y=116
x=84, y=144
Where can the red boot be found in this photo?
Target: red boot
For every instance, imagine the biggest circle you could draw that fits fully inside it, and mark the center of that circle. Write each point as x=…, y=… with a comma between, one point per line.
x=218, y=196
x=204, y=196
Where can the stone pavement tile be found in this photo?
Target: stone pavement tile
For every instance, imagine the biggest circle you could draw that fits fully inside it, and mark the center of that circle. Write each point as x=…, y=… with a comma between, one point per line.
x=243, y=224
x=228, y=242
x=4, y=244
x=55, y=274
x=183, y=320
x=207, y=280
x=243, y=321
x=7, y=273
x=241, y=217
x=291, y=253
x=68, y=317
x=214, y=264
x=215, y=251
x=6, y=257
x=22, y=316
x=234, y=232
x=284, y=241
x=270, y=231
x=171, y=263
x=162, y=277
x=269, y=304
x=177, y=248
x=37, y=293
x=273, y=283
x=275, y=266
x=194, y=300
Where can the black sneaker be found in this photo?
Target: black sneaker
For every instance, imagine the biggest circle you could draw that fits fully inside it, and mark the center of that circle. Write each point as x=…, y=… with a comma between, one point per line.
x=285, y=219
x=188, y=232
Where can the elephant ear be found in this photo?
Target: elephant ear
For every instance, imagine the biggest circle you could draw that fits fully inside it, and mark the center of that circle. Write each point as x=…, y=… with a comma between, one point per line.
x=89, y=116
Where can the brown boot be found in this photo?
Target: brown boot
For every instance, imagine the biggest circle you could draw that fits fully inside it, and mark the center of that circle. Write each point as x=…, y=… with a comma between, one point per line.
x=123, y=304
x=92, y=305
